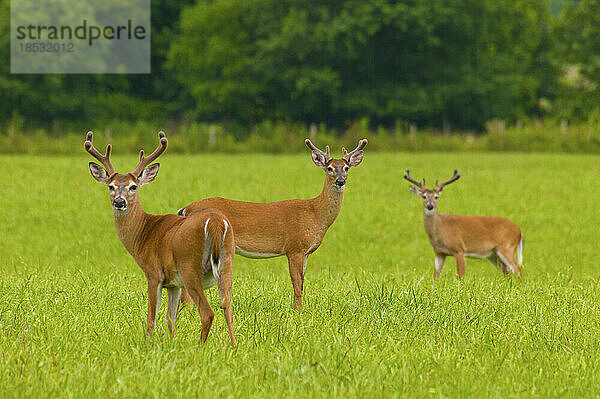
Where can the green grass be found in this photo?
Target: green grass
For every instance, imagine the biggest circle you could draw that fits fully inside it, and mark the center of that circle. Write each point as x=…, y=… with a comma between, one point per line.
x=73, y=302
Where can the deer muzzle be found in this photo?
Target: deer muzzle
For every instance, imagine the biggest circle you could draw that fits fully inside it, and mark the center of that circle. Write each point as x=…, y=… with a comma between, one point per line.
x=120, y=203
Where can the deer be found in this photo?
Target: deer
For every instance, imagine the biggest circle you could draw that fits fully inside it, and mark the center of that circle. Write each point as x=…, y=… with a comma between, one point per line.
x=293, y=228
x=487, y=237
x=195, y=252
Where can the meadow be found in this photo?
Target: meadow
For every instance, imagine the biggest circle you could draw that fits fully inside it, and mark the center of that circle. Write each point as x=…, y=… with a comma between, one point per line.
x=73, y=301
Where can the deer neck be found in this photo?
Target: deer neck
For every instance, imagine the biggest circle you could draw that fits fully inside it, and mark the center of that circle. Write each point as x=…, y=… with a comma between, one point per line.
x=328, y=204
x=130, y=226
x=431, y=221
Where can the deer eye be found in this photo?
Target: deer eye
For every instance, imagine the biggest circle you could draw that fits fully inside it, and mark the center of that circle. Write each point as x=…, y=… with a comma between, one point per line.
x=330, y=169
x=133, y=188
x=346, y=168
x=112, y=188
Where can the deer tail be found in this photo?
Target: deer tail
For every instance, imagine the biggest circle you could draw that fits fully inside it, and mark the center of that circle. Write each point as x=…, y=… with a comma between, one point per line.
x=215, y=230
x=520, y=251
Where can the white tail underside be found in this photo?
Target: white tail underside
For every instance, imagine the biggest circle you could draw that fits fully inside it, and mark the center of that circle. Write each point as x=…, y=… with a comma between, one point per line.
x=520, y=251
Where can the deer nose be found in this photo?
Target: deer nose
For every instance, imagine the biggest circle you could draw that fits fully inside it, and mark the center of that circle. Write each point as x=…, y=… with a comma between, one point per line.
x=429, y=206
x=340, y=182
x=120, y=203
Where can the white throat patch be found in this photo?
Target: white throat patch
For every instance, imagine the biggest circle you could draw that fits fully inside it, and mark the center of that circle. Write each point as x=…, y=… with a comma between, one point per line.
x=120, y=213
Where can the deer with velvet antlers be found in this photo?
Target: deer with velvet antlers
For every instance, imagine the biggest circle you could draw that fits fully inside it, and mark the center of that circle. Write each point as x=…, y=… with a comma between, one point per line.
x=195, y=252
x=294, y=228
x=490, y=237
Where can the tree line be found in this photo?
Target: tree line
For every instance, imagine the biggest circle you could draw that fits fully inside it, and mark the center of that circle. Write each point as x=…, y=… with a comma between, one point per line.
x=453, y=64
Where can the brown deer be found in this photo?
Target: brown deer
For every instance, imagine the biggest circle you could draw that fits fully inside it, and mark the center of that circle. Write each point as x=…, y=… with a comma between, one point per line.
x=294, y=228
x=194, y=252
x=489, y=237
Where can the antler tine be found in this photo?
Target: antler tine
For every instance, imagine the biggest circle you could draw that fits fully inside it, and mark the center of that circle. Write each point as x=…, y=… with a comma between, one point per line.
x=361, y=144
x=413, y=181
x=104, y=159
x=454, y=178
x=310, y=145
x=145, y=161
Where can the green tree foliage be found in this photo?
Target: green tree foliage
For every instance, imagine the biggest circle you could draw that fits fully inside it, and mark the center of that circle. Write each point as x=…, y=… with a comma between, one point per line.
x=457, y=63
x=577, y=51
x=213, y=58
x=577, y=32
x=432, y=61
x=85, y=99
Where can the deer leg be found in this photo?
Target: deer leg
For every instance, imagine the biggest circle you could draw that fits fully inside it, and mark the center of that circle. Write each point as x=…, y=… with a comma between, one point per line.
x=186, y=299
x=460, y=264
x=172, y=307
x=439, y=265
x=206, y=314
x=193, y=284
x=297, y=263
x=224, y=283
x=509, y=261
x=154, y=298
x=494, y=260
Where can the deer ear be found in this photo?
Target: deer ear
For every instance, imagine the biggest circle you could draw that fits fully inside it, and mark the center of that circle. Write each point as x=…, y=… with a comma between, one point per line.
x=355, y=159
x=415, y=190
x=318, y=159
x=99, y=173
x=149, y=174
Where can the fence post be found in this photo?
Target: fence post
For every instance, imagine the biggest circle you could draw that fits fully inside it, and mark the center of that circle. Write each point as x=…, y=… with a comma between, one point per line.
x=312, y=132
x=564, y=127
x=212, y=136
x=446, y=125
x=413, y=134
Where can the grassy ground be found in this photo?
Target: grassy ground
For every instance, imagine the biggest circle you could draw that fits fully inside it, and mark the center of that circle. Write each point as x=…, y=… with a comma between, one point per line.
x=73, y=302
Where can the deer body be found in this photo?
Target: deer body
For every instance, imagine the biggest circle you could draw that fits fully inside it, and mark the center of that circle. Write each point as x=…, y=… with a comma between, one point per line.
x=266, y=230
x=174, y=252
x=294, y=228
x=490, y=237
x=155, y=241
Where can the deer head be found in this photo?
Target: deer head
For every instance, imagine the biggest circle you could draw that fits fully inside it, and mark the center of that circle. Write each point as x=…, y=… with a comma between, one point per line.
x=123, y=188
x=430, y=197
x=337, y=169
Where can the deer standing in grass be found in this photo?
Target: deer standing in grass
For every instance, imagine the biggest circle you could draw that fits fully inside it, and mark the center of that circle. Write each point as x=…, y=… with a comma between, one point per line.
x=194, y=252
x=294, y=228
x=494, y=238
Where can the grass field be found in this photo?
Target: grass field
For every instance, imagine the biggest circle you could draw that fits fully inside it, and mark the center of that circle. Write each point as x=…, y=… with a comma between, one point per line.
x=73, y=302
